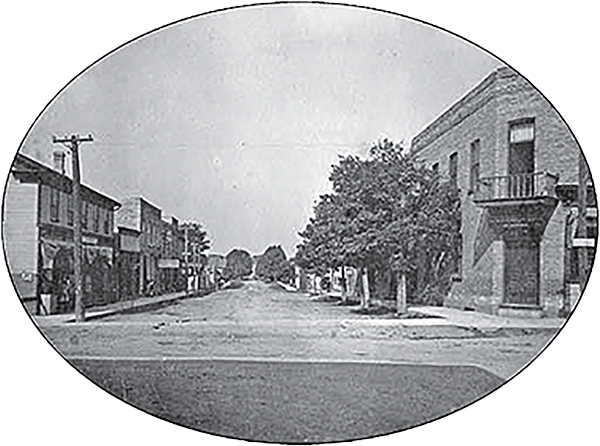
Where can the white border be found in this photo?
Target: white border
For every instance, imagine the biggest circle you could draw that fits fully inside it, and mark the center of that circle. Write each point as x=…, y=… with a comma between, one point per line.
x=45, y=42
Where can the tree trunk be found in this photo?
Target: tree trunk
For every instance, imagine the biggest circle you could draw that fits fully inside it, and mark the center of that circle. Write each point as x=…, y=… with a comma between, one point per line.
x=356, y=284
x=344, y=285
x=366, y=293
x=331, y=277
x=401, y=294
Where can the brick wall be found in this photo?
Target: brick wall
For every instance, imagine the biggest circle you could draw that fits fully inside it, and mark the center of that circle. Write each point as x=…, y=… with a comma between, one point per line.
x=485, y=113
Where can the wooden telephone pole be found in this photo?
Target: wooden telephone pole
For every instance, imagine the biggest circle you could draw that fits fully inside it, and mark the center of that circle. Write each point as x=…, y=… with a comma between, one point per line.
x=72, y=144
x=582, y=222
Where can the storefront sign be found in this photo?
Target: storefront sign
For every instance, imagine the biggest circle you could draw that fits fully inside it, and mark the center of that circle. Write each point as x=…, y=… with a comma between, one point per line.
x=89, y=240
x=168, y=263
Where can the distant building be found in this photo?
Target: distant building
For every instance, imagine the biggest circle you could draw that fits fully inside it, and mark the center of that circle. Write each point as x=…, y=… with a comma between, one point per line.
x=138, y=214
x=171, y=262
x=127, y=263
x=515, y=166
x=38, y=237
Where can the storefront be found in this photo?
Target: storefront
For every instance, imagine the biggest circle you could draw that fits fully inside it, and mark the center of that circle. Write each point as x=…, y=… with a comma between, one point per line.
x=57, y=283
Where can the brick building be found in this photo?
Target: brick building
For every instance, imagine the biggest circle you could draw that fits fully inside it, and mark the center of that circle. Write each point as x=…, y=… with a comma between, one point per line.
x=517, y=168
x=38, y=237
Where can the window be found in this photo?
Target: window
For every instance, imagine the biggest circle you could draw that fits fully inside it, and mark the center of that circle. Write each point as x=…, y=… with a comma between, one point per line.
x=84, y=215
x=436, y=168
x=106, y=221
x=453, y=170
x=70, y=210
x=475, y=156
x=96, y=218
x=54, y=204
x=522, y=131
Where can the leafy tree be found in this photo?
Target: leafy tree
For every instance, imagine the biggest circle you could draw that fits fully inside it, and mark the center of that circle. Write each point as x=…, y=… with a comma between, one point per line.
x=238, y=265
x=196, y=236
x=196, y=242
x=273, y=265
x=322, y=248
x=387, y=213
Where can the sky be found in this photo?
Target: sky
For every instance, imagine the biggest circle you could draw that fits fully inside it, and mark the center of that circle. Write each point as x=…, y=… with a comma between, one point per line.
x=234, y=119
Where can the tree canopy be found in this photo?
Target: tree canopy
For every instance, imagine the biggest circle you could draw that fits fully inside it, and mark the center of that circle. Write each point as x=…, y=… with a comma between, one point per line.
x=387, y=211
x=196, y=236
x=273, y=265
x=238, y=265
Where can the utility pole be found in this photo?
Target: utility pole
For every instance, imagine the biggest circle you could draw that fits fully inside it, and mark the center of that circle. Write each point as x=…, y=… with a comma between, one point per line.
x=187, y=262
x=72, y=144
x=582, y=223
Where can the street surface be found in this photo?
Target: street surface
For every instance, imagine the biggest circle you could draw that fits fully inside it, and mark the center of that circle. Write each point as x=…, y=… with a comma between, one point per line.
x=264, y=321
x=265, y=364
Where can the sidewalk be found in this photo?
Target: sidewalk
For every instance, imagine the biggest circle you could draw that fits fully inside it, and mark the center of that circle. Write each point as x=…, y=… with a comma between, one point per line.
x=445, y=316
x=474, y=319
x=140, y=304
x=451, y=323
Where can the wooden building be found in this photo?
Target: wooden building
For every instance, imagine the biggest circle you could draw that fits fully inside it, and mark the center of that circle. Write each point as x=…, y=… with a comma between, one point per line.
x=38, y=237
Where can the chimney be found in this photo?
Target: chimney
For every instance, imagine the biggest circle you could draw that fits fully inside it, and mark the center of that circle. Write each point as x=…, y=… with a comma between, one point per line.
x=59, y=162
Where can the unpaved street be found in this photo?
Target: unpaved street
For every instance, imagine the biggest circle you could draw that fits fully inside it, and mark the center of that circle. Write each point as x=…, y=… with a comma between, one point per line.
x=266, y=322
x=264, y=364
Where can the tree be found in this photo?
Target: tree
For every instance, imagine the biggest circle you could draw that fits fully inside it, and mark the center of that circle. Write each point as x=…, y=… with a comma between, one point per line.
x=238, y=265
x=273, y=265
x=387, y=213
x=196, y=242
x=322, y=248
x=196, y=236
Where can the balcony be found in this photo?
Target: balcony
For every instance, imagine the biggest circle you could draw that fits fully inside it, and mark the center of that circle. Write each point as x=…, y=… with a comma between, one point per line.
x=512, y=189
x=517, y=206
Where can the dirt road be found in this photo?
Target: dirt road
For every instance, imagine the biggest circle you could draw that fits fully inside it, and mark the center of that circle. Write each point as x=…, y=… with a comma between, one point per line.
x=264, y=321
x=264, y=364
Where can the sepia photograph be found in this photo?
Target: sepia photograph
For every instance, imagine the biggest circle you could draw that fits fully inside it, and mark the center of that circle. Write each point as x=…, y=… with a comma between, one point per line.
x=299, y=223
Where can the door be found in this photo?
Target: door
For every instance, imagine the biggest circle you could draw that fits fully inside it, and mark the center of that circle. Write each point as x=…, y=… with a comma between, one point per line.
x=521, y=159
x=522, y=273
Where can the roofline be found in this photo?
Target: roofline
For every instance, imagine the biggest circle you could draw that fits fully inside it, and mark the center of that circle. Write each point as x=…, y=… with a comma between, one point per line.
x=428, y=132
x=42, y=168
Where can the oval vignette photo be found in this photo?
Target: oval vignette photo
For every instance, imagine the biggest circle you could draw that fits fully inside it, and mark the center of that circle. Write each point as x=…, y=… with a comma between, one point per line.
x=299, y=223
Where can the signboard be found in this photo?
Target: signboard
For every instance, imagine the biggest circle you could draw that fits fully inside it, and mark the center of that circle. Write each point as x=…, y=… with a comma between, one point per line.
x=584, y=243
x=87, y=240
x=168, y=263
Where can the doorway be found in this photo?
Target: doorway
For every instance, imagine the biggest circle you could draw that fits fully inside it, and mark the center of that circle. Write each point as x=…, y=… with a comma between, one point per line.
x=522, y=272
x=521, y=159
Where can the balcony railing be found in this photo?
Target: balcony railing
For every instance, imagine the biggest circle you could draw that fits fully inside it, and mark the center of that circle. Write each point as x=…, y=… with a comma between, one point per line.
x=515, y=187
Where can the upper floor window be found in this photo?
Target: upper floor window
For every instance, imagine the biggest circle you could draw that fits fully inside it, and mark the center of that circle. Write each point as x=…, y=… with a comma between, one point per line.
x=70, y=210
x=106, y=222
x=475, y=157
x=54, y=204
x=84, y=215
x=96, y=218
x=453, y=170
x=522, y=131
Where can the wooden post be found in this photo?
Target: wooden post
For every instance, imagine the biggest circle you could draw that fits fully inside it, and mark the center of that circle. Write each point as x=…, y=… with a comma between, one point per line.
x=73, y=144
x=365, y=283
x=582, y=223
x=401, y=294
x=344, y=285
